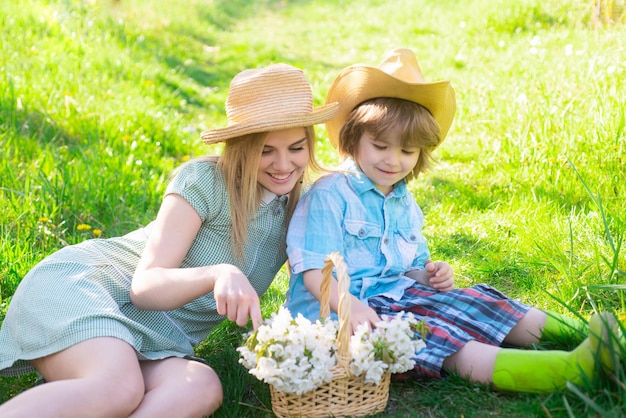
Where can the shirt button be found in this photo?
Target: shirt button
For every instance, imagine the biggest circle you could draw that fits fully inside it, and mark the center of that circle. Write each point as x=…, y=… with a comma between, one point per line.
x=413, y=237
x=361, y=232
x=386, y=240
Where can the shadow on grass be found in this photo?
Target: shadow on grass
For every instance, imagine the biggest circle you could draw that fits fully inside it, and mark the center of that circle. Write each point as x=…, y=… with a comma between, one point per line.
x=484, y=261
x=11, y=386
x=468, y=195
x=244, y=394
x=211, y=72
x=28, y=124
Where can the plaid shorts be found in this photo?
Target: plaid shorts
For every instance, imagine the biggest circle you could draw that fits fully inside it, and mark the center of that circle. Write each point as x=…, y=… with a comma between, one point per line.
x=454, y=318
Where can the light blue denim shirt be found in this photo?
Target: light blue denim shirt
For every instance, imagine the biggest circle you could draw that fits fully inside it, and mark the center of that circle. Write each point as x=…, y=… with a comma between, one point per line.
x=380, y=237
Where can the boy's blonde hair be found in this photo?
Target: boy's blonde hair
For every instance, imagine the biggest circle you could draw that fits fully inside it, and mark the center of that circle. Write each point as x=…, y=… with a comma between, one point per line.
x=385, y=116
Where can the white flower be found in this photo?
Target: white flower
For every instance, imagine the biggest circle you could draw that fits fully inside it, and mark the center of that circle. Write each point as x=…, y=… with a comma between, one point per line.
x=296, y=356
x=391, y=345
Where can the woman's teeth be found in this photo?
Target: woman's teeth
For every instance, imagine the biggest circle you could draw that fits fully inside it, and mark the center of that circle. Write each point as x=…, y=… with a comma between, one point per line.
x=280, y=176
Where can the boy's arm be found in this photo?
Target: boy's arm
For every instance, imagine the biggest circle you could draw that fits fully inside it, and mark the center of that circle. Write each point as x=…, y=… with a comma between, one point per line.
x=359, y=312
x=313, y=280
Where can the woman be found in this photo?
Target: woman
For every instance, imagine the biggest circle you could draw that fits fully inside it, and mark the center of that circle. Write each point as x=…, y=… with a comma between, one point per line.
x=110, y=324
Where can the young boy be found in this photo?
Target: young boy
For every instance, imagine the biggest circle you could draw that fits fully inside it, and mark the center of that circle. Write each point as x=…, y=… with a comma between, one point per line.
x=389, y=122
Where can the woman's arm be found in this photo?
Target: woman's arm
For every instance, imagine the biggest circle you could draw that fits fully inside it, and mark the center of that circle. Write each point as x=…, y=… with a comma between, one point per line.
x=160, y=284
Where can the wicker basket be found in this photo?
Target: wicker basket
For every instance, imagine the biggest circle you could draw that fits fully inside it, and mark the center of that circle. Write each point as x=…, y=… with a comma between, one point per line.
x=345, y=394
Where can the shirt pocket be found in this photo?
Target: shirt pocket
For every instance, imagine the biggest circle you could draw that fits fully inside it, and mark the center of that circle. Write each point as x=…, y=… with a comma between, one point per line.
x=362, y=241
x=411, y=243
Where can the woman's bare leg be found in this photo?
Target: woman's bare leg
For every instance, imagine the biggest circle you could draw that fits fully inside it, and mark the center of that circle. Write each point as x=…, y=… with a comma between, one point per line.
x=100, y=377
x=179, y=387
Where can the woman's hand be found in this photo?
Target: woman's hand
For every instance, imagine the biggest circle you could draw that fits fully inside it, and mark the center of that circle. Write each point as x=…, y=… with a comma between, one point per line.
x=235, y=297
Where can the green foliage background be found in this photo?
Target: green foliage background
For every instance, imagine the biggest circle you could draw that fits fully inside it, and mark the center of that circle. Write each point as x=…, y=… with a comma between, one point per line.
x=100, y=100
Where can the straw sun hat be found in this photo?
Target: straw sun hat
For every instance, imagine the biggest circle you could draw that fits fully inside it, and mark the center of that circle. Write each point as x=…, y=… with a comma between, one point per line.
x=398, y=76
x=269, y=99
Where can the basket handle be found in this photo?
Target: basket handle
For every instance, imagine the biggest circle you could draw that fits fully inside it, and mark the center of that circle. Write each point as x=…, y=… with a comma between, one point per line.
x=343, y=312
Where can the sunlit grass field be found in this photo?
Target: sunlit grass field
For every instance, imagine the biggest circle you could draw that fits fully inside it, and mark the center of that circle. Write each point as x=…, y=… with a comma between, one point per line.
x=101, y=99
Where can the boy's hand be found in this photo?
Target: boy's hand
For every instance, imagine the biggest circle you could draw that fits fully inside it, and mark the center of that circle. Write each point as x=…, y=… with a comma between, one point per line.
x=361, y=313
x=439, y=275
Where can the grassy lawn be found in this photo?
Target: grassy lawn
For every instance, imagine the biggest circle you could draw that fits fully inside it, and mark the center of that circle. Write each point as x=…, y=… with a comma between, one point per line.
x=101, y=99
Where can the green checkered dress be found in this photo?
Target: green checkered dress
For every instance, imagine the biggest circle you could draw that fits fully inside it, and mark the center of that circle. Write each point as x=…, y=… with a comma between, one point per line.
x=82, y=291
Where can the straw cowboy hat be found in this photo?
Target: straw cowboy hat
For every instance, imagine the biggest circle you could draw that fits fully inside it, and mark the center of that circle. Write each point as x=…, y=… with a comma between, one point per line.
x=398, y=76
x=269, y=99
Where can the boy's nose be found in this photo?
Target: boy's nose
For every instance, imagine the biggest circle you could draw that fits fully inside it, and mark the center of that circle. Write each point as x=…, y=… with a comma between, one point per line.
x=393, y=158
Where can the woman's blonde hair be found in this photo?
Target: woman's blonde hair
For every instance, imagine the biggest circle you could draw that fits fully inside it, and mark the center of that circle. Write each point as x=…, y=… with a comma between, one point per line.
x=240, y=171
x=385, y=116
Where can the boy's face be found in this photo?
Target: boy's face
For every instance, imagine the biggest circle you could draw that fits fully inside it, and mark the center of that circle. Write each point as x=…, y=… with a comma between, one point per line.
x=384, y=161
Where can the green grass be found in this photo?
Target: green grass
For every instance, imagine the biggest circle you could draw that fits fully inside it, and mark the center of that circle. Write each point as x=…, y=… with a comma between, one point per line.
x=100, y=100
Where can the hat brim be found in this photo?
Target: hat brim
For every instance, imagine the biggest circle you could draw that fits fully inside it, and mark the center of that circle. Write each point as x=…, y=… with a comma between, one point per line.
x=358, y=83
x=316, y=116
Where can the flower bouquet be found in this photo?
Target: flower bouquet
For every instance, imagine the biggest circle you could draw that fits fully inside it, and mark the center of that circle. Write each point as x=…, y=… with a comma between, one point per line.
x=318, y=369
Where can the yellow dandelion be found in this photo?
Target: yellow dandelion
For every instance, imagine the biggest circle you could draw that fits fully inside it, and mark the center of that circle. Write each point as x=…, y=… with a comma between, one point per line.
x=97, y=232
x=43, y=220
x=83, y=227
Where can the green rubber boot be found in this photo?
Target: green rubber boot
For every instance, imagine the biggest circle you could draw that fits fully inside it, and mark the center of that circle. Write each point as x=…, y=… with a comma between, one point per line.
x=549, y=371
x=558, y=325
